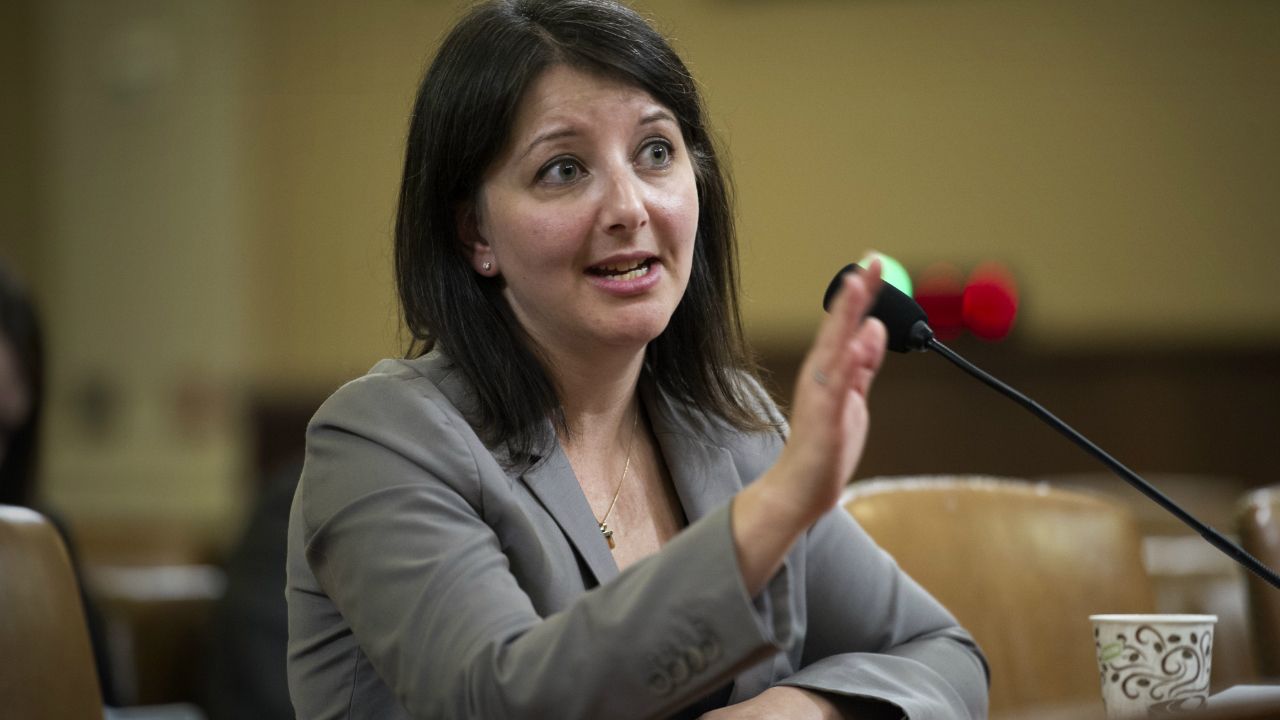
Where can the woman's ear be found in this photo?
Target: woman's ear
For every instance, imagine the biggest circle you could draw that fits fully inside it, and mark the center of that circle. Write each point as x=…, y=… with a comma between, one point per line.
x=476, y=247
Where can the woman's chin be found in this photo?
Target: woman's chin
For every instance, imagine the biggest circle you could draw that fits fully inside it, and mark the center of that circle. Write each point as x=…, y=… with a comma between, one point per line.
x=633, y=337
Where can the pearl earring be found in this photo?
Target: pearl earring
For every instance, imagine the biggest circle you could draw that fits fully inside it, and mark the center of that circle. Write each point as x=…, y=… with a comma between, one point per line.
x=487, y=266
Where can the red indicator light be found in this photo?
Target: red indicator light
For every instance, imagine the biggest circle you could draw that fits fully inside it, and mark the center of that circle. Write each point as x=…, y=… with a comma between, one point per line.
x=940, y=291
x=990, y=302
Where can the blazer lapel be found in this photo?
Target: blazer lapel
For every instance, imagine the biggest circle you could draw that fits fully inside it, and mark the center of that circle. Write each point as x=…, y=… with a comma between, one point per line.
x=551, y=479
x=703, y=473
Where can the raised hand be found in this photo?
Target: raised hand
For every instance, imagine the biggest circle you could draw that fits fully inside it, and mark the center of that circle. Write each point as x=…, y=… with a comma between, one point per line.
x=829, y=419
x=829, y=424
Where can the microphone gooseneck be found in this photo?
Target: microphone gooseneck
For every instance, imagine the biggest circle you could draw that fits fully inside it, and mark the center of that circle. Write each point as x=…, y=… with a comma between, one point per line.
x=909, y=331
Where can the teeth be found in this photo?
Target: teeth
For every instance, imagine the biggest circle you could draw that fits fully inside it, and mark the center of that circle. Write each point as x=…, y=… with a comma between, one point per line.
x=620, y=268
x=624, y=271
x=632, y=275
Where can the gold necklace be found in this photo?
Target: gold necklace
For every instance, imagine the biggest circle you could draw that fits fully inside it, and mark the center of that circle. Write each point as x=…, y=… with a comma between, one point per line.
x=604, y=522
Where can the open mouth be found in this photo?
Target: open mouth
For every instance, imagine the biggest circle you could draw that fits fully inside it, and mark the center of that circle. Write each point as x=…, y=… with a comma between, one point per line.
x=623, y=271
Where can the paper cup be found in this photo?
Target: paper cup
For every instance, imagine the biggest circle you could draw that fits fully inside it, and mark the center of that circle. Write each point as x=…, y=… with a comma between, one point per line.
x=1153, y=664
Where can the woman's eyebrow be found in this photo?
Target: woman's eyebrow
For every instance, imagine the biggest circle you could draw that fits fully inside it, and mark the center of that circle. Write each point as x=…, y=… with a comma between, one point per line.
x=554, y=134
x=657, y=116
x=564, y=132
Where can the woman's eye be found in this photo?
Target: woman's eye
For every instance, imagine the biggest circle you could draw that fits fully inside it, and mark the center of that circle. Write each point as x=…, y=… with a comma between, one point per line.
x=560, y=172
x=656, y=154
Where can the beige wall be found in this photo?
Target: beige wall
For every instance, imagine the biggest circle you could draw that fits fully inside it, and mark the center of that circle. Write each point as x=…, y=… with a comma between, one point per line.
x=19, y=125
x=143, y=273
x=1121, y=157
x=329, y=100
x=222, y=175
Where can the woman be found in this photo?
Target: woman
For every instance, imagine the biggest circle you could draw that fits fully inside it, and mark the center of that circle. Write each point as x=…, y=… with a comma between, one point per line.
x=575, y=500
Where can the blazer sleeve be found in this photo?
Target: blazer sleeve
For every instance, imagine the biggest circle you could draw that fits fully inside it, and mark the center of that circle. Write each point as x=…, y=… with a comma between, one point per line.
x=391, y=505
x=872, y=632
x=899, y=646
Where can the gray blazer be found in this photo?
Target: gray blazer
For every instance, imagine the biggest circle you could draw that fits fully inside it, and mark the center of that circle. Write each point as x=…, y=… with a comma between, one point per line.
x=425, y=579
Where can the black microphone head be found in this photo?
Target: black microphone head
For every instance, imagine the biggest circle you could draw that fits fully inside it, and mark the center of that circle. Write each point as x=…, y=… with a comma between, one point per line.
x=906, y=321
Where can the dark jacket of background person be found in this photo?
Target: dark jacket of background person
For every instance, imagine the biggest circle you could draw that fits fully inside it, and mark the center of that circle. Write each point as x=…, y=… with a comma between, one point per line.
x=249, y=632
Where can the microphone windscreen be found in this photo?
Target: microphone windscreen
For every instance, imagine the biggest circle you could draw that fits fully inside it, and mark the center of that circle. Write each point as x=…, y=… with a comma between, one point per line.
x=894, y=308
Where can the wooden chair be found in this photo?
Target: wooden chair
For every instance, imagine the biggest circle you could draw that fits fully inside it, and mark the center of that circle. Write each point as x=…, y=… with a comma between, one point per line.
x=1021, y=566
x=1259, y=522
x=46, y=663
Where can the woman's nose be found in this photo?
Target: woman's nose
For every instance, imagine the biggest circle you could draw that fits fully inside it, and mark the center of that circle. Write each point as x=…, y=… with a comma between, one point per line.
x=623, y=209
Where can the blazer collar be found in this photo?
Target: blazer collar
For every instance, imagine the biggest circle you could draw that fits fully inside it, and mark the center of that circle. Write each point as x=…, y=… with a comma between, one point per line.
x=703, y=473
x=552, y=480
x=696, y=453
x=693, y=448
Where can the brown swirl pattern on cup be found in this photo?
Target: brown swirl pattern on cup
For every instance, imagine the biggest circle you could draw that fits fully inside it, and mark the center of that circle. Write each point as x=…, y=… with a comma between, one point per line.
x=1172, y=671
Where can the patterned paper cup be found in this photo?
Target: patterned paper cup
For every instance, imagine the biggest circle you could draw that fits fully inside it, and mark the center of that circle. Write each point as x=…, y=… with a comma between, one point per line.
x=1153, y=664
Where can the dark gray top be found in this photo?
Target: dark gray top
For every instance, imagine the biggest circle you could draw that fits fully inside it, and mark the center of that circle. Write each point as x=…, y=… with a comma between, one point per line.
x=425, y=579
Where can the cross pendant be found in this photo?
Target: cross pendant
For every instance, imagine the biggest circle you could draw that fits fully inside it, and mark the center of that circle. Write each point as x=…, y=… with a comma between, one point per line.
x=608, y=535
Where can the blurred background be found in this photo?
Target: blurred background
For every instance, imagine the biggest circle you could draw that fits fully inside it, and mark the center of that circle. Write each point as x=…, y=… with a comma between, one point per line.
x=200, y=195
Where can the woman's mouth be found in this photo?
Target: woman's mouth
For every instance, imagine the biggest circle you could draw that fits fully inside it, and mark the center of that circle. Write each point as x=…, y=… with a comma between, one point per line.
x=629, y=277
x=623, y=271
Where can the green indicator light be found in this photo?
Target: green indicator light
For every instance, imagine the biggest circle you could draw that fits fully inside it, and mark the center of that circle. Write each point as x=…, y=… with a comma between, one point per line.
x=891, y=270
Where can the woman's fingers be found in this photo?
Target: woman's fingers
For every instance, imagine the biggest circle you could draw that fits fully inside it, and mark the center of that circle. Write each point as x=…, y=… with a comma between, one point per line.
x=829, y=416
x=866, y=353
x=837, y=349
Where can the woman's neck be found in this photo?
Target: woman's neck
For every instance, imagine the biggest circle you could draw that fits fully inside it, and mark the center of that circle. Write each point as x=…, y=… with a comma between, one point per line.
x=597, y=394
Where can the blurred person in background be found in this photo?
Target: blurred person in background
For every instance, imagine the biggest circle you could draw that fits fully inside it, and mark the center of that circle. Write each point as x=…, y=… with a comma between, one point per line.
x=21, y=401
x=21, y=392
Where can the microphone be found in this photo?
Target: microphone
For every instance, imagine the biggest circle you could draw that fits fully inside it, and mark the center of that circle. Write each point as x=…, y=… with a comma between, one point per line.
x=909, y=331
x=905, y=320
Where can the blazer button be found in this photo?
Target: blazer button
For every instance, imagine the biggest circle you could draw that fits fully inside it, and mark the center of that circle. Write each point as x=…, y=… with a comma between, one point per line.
x=678, y=669
x=695, y=659
x=710, y=649
x=660, y=684
x=708, y=643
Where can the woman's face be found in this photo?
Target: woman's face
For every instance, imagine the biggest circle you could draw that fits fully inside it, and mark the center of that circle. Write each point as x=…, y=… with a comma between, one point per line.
x=15, y=398
x=589, y=215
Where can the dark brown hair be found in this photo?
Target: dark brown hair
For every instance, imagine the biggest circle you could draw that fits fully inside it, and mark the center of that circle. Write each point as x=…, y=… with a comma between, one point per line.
x=461, y=121
x=20, y=329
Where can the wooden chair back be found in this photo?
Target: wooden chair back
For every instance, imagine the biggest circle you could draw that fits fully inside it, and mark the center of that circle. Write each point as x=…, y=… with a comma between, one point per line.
x=46, y=662
x=1021, y=566
x=1259, y=523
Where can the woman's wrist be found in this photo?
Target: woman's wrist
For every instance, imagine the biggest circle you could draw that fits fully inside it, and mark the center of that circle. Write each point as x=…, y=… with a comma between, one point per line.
x=823, y=705
x=766, y=521
x=831, y=706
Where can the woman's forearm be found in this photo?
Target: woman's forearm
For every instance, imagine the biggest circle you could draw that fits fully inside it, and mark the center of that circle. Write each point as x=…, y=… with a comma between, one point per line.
x=766, y=522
